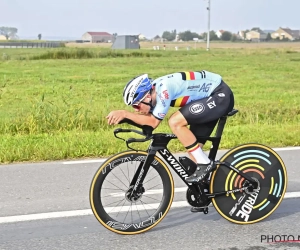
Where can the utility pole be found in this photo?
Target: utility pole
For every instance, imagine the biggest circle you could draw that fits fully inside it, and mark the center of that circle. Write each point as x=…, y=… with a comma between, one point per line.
x=208, y=24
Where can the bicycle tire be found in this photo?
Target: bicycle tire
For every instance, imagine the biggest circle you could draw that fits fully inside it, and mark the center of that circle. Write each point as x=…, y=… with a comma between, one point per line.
x=97, y=186
x=260, y=162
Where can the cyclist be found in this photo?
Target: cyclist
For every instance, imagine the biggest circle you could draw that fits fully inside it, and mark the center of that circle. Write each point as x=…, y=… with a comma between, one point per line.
x=202, y=97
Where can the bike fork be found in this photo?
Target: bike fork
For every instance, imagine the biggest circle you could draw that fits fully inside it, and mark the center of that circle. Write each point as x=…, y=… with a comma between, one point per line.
x=141, y=173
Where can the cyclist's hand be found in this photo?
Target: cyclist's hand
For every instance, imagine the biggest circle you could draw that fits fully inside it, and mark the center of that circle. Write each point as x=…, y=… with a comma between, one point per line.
x=114, y=117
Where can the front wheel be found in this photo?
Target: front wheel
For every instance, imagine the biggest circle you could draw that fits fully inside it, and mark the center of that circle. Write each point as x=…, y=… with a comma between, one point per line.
x=110, y=190
x=263, y=165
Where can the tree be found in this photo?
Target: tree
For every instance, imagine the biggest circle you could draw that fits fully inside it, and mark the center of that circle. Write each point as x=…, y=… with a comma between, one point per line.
x=169, y=36
x=8, y=32
x=245, y=34
x=234, y=37
x=226, y=36
x=212, y=35
x=39, y=36
x=268, y=38
x=188, y=35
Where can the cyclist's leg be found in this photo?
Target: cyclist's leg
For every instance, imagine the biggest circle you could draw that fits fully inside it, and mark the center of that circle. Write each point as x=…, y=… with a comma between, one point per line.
x=203, y=130
x=204, y=114
x=178, y=125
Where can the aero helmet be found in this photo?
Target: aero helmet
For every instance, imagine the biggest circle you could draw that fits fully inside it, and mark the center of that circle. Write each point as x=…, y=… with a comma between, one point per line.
x=136, y=89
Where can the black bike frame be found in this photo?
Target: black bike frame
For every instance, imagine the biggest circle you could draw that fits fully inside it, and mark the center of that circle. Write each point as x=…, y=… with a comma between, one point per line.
x=159, y=144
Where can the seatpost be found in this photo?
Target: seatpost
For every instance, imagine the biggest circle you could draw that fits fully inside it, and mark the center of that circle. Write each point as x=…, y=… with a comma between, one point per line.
x=221, y=126
x=216, y=142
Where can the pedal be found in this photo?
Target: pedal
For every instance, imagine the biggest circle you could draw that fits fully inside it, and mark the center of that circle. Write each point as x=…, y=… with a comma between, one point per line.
x=199, y=209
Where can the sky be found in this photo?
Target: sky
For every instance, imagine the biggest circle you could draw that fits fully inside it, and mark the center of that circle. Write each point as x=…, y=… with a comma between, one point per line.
x=70, y=19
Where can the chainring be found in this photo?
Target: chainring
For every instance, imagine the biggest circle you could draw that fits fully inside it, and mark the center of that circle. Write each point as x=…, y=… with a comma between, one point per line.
x=194, y=199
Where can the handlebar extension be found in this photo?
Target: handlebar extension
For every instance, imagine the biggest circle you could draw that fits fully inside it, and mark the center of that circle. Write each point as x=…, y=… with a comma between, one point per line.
x=146, y=131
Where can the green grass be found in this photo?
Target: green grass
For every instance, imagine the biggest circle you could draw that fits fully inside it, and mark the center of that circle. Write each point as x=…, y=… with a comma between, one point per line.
x=53, y=102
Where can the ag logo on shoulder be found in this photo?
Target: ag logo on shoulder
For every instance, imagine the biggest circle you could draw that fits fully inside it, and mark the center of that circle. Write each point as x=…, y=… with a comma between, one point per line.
x=197, y=108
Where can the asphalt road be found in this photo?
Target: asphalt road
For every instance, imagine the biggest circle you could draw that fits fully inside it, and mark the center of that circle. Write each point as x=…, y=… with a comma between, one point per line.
x=46, y=206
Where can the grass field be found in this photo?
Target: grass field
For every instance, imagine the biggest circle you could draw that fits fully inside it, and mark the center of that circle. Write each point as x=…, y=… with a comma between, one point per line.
x=200, y=45
x=54, y=108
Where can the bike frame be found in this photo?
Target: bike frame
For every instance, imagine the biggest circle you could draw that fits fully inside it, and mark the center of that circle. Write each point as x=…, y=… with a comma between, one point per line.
x=159, y=144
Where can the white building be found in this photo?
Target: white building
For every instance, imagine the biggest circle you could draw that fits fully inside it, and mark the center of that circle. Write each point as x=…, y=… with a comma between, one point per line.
x=97, y=37
x=219, y=33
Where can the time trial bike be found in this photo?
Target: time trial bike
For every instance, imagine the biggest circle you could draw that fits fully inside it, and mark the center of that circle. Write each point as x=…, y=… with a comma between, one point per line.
x=132, y=191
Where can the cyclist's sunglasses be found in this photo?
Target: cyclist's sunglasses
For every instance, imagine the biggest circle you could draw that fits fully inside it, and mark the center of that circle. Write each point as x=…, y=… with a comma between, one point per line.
x=137, y=105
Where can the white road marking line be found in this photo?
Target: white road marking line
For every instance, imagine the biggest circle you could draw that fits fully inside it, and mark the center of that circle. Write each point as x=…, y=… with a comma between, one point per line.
x=64, y=214
x=291, y=195
x=287, y=149
x=83, y=161
x=102, y=160
x=153, y=191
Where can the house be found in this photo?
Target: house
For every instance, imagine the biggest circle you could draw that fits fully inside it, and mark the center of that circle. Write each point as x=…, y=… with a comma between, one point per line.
x=286, y=33
x=241, y=35
x=97, y=37
x=157, y=38
x=219, y=33
x=2, y=37
x=268, y=31
x=256, y=35
x=142, y=37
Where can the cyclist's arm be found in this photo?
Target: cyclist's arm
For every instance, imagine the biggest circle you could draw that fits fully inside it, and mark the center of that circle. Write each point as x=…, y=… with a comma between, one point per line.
x=153, y=119
x=143, y=119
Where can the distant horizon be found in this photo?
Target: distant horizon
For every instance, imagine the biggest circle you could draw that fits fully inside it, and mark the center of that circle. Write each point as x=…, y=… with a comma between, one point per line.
x=158, y=33
x=57, y=18
x=49, y=37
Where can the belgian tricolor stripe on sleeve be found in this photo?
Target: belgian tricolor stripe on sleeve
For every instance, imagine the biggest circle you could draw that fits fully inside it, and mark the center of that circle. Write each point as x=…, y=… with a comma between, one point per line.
x=179, y=102
x=187, y=75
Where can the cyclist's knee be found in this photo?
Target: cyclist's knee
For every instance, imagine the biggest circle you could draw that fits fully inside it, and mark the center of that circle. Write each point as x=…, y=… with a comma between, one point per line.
x=177, y=120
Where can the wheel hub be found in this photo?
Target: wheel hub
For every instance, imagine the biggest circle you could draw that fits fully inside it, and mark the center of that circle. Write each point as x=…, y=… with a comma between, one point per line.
x=252, y=187
x=136, y=195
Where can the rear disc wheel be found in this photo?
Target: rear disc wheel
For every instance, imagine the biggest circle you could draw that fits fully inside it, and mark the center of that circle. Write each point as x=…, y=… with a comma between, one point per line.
x=263, y=165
